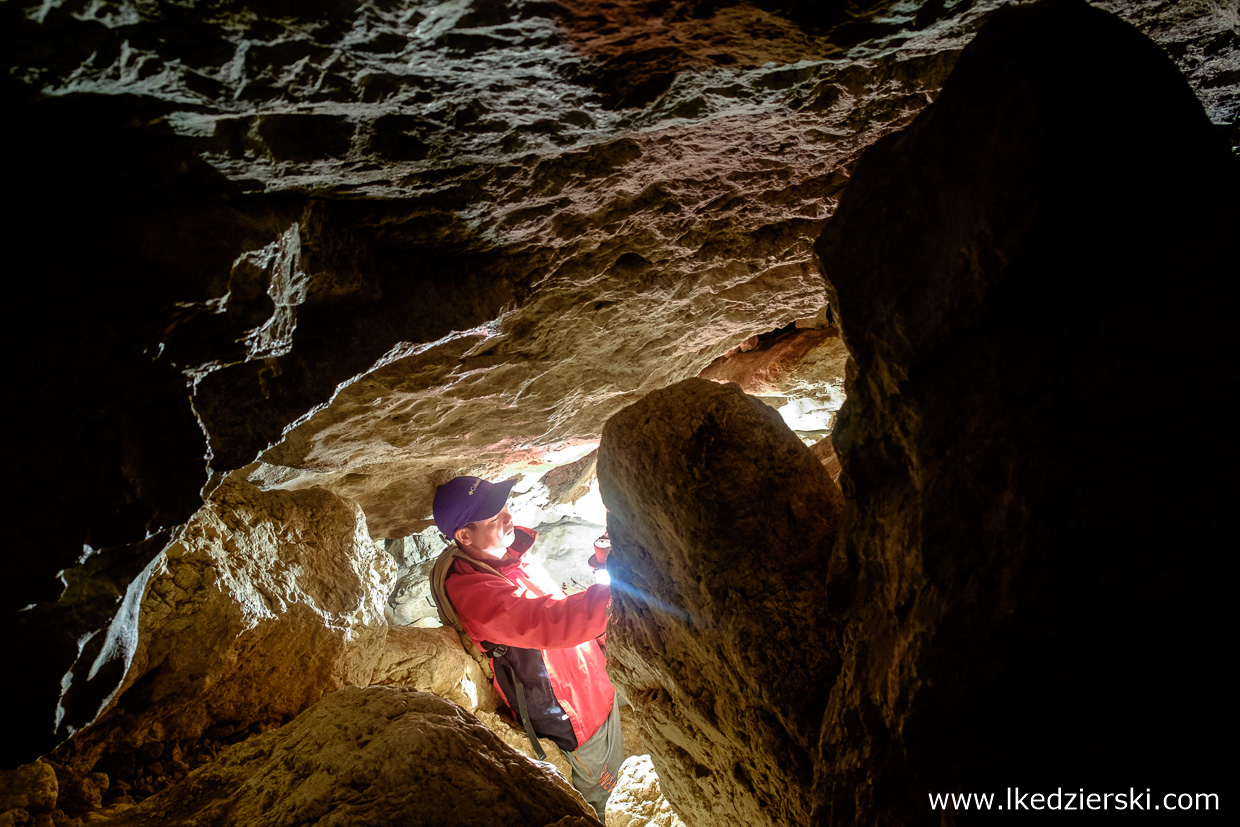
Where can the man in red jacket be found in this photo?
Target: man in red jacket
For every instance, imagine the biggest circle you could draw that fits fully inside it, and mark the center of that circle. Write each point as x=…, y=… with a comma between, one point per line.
x=549, y=665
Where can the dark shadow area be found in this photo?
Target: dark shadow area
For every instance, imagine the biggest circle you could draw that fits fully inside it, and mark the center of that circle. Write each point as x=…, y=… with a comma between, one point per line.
x=108, y=225
x=1038, y=438
x=131, y=325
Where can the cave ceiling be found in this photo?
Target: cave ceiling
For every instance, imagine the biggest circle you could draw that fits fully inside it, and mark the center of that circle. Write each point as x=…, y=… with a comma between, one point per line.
x=351, y=245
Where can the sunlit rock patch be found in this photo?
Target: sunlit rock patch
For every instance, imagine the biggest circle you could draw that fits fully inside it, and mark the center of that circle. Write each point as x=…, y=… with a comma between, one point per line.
x=638, y=798
x=266, y=602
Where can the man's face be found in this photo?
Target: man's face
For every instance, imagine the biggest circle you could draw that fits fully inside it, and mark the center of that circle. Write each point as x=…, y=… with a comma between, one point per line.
x=489, y=537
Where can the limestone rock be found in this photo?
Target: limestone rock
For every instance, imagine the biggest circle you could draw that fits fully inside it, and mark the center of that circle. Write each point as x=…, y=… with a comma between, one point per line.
x=79, y=793
x=800, y=363
x=1015, y=288
x=637, y=800
x=569, y=483
x=722, y=524
x=800, y=372
x=379, y=755
x=415, y=549
x=433, y=660
x=281, y=595
x=411, y=600
x=120, y=465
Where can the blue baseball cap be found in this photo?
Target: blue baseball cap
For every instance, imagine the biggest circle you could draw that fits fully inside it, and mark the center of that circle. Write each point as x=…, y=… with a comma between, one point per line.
x=466, y=499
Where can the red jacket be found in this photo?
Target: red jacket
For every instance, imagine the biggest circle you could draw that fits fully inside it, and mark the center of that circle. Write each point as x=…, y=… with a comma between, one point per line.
x=528, y=610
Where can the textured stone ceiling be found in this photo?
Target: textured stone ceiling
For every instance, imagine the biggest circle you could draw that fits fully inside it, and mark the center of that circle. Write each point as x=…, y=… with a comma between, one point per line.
x=355, y=244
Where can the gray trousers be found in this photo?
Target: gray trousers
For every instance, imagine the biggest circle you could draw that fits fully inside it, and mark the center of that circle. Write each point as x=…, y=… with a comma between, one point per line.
x=596, y=763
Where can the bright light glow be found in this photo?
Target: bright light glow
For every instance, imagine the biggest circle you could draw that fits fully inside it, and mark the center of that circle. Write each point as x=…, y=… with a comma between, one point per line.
x=651, y=601
x=807, y=415
x=471, y=690
x=563, y=456
x=602, y=577
x=590, y=507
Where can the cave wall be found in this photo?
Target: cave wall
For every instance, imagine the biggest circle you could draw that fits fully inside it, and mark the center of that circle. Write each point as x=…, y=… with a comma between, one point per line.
x=1035, y=599
x=346, y=245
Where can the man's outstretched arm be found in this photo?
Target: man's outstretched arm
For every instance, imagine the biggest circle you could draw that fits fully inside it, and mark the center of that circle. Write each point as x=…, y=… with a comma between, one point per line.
x=490, y=609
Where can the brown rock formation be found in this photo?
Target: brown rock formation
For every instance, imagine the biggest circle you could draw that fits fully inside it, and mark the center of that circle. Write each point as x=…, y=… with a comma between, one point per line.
x=722, y=521
x=382, y=756
x=266, y=602
x=824, y=449
x=432, y=660
x=31, y=789
x=1027, y=599
x=569, y=483
x=798, y=363
x=799, y=372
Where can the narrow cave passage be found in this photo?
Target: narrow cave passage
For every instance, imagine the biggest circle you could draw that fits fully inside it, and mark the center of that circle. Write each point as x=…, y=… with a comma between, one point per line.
x=797, y=369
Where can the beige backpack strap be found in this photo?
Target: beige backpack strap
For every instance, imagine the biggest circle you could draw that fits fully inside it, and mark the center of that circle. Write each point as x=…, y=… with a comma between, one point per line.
x=447, y=613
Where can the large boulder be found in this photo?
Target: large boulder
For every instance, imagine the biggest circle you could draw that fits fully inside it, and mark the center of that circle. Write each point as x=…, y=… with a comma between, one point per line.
x=1029, y=595
x=722, y=522
x=31, y=788
x=433, y=660
x=267, y=602
x=378, y=756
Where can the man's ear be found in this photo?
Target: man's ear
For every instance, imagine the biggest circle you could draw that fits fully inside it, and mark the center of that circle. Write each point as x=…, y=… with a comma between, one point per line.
x=461, y=536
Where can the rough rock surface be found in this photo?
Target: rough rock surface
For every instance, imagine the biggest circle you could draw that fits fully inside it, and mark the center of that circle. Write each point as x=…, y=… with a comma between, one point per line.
x=31, y=787
x=410, y=601
x=797, y=363
x=1026, y=596
x=799, y=372
x=265, y=603
x=368, y=241
x=721, y=521
x=569, y=483
x=637, y=800
x=824, y=449
x=377, y=755
x=432, y=660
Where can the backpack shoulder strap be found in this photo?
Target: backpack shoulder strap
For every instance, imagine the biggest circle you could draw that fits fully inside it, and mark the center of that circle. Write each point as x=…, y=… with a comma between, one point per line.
x=447, y=613
x=447, y=616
